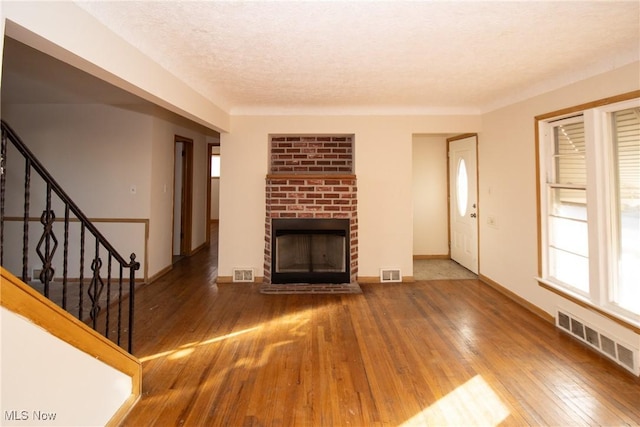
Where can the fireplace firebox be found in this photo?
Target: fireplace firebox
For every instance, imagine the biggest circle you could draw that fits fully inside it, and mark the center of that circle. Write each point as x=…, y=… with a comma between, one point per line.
x=310, y=250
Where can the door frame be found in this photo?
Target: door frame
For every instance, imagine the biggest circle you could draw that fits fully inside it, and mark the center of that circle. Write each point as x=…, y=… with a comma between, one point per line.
x=186, y=202
x=449, y=140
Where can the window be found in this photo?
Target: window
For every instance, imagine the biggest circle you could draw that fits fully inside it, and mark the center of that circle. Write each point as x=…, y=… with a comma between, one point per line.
x=589, y=201
x=568, y=244
x=462, y=188
x=215, y=166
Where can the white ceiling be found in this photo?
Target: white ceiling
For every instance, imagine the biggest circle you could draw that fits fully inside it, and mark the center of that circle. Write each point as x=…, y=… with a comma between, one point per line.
x=376, y=57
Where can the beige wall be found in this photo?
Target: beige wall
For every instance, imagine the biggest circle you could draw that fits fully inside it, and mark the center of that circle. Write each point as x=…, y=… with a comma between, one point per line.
x=507, y=188
x=430, y=222
x=383, y=165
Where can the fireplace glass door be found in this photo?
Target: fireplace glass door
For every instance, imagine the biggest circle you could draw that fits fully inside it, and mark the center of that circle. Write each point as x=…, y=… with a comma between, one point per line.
x=310, y=251
x=307, y=253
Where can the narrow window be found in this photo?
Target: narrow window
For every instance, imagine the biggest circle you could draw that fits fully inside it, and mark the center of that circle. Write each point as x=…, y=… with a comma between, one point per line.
x=462, y=188
x=568, y=252
x=215, y=166
x=626, y=147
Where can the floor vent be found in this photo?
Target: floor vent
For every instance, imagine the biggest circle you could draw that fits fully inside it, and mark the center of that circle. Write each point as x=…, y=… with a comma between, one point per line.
x=243, y=275
x=390, y=275
x=624, y=355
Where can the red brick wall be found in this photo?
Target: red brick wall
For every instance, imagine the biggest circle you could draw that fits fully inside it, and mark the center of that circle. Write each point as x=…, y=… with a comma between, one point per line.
x=305, y=192
x=311, y=154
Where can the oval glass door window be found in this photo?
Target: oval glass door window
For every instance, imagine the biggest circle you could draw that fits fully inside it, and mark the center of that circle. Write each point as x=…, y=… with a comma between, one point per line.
x=462, y=187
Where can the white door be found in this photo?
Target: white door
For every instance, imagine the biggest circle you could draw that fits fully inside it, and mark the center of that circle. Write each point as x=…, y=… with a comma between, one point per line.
x=463, y=192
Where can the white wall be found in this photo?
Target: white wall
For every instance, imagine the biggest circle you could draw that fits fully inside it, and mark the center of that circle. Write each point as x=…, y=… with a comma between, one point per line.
x=383, y=165
x=96, y=152
x=430, y=223
x=507, y=186
x=43, y=374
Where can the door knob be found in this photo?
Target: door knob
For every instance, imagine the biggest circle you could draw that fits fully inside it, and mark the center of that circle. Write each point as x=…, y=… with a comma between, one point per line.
x=473, y=215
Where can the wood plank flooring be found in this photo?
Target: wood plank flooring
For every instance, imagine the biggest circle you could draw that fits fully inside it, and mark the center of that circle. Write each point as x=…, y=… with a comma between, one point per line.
x=449, y=352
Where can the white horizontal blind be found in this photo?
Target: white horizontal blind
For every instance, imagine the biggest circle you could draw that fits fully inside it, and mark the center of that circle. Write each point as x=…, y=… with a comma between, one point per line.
x=569, y=156
x=627, y=135
x=567, y=227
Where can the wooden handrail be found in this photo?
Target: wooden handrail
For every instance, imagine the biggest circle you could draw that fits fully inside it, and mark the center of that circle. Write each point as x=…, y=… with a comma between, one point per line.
x=20, y=298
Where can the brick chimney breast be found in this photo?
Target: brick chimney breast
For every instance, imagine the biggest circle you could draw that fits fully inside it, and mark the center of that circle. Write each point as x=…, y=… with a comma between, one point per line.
x=311, y=177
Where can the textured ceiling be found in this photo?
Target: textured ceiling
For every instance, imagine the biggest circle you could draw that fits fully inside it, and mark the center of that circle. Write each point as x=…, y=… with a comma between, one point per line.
x=384, y=56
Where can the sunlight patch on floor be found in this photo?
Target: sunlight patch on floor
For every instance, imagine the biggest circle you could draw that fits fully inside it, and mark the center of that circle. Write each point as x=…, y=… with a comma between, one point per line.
x=472, y=403
x=296, y=320
x=185, y=350
x=179, y=354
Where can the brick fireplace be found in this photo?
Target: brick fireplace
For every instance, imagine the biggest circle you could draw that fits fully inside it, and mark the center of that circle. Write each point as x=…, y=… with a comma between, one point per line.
x=311, y=178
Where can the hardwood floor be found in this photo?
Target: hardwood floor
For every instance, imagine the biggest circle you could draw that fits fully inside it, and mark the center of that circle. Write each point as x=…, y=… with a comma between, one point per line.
x=450, y=352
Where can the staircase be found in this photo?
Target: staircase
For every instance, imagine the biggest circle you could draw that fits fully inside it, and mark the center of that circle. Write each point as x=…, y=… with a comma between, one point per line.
x=60, y=253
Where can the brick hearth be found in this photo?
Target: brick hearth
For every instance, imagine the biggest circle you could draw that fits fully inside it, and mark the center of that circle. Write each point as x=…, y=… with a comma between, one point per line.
x=311, y=177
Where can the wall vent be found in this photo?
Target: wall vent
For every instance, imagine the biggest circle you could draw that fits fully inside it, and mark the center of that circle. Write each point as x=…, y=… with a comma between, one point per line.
x=564, y=321
x=577, y=328
x=608, y=346
x=624, y=355
x=243, y=275
x=592, y=337
x=390, y=275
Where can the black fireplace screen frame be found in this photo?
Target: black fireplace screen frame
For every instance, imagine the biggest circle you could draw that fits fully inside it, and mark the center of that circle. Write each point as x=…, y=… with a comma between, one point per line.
x=292, y=226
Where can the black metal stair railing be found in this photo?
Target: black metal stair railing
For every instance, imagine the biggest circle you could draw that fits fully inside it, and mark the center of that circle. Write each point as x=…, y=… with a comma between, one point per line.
x=95, y=300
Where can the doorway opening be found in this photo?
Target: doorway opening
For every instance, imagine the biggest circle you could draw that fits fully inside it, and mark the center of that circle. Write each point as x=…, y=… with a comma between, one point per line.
x=432, y=193
x=463, y=200
x=182, y=197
